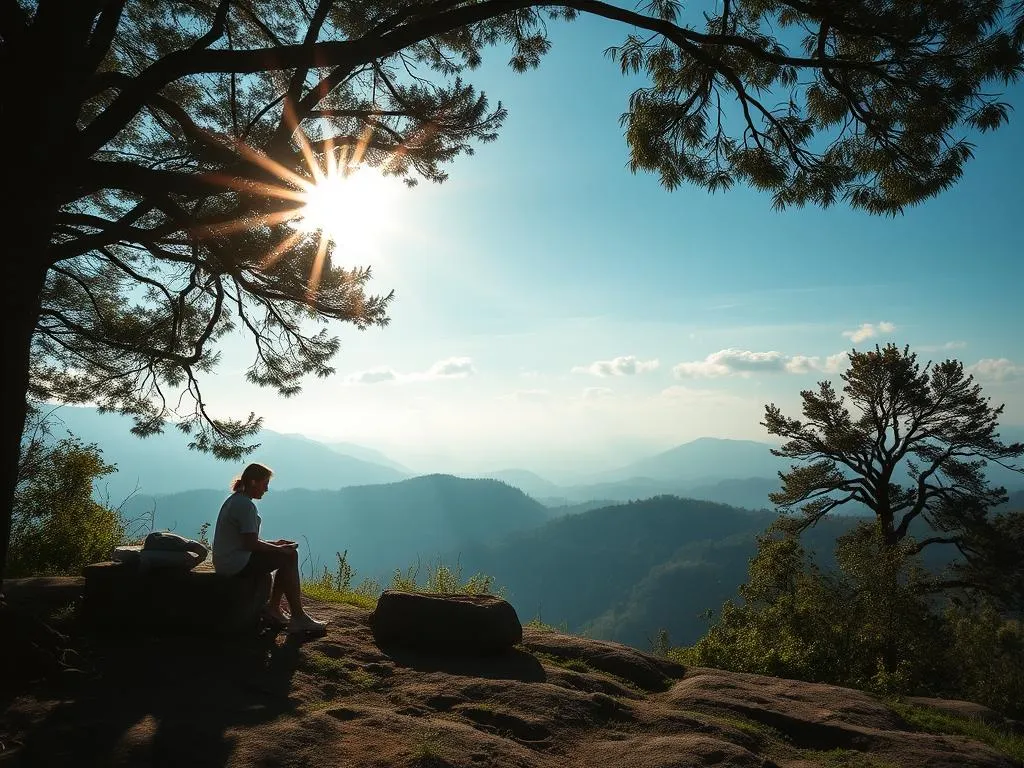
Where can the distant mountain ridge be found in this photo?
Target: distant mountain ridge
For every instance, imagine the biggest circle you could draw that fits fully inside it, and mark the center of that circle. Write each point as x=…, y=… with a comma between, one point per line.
x=383, y=527
x=164, y=464
x=704, y=459
x=740, y=473
x=736, y=472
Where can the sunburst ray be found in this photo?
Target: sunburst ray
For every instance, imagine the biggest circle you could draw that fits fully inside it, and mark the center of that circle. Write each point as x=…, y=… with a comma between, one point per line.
x=318, y=265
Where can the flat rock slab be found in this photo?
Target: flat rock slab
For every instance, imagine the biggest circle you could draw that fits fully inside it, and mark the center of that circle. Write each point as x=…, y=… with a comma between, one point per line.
x=457, y=624
x=120, y=597
x=45, y=592
x=640, y=669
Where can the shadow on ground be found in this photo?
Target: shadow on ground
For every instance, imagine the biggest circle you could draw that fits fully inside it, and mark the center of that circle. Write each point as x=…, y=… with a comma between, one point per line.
x=160, y=700
x=511, y=665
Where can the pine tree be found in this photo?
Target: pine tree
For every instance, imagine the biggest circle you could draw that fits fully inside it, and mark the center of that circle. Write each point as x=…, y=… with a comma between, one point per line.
x=911, y=443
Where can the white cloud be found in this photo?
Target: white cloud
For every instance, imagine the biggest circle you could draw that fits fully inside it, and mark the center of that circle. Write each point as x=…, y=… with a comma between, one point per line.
x=453, y=367
x=727, y=362
x=373, y=376
x=449, y=368
x=814, y=364
x=868, y=331
x=995, y=369
x=740, y=362
x=627, y=365
x=596, y=393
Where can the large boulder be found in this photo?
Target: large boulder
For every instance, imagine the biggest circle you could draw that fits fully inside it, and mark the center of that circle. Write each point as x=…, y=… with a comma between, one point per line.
x=456, y=624
x=123, y=596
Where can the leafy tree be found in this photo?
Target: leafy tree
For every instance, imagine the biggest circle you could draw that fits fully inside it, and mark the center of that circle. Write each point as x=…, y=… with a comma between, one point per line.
x=57, y=526
x=159, y=159
x=865, y=624
x=988, y=654
x=912, y=445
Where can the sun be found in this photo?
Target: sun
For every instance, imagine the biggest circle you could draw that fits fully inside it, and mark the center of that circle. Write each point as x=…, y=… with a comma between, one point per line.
x=353, y=207
x=335, y=199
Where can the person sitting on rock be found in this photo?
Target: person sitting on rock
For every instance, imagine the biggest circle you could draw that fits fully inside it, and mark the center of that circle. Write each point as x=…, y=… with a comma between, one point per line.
x=239, y=550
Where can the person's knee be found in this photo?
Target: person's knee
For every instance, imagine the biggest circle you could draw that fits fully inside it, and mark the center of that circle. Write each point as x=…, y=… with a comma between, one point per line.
x=291, y=558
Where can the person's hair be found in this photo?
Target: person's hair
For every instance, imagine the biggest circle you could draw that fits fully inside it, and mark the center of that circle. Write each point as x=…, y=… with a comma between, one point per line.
x=252, y=473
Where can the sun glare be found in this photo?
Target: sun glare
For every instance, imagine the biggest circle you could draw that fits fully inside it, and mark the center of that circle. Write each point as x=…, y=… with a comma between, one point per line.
x=340, y=201
x=353, y=210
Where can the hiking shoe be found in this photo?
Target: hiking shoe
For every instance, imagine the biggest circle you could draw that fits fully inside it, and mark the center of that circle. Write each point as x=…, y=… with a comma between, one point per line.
x=306, y=625
x=275, y=619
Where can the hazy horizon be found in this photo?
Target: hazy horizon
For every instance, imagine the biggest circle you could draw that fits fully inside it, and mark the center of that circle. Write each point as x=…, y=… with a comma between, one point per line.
x=574, y=467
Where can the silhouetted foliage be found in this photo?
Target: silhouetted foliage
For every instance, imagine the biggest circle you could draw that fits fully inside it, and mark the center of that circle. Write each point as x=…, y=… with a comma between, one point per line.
x=166, y=149
x=57, y=526
x=909, y=443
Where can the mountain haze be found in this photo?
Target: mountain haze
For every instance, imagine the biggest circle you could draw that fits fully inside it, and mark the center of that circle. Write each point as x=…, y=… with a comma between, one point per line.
x=383, y=527
x=164, y=464
x=706, y=458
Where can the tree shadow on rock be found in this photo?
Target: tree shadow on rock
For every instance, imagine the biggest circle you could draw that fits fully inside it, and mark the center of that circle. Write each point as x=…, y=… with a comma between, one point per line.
x=166, y=700
x=513, y=664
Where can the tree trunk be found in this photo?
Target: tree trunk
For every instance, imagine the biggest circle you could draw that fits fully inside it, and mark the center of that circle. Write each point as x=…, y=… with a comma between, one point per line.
x=37, y=133
x=23, y=282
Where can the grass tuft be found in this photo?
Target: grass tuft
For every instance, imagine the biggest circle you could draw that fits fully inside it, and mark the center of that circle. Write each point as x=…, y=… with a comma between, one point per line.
x=441, y=579
x=935, y=721
x=322, y=665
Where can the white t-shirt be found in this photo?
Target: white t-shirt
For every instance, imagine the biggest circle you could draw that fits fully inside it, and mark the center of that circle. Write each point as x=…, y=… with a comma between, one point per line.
x=238, y=515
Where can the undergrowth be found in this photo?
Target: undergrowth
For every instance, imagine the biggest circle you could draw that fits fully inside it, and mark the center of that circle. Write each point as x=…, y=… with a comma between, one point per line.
x=439, y=578
x=935, y=721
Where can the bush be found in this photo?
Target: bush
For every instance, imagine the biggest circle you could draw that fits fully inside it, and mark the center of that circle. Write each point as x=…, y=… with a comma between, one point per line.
x=988, y=650
x=57, y=527
x=872, y=624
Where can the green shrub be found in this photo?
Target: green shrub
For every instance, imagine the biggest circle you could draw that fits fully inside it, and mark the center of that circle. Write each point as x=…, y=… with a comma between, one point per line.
x=57, y=527
x=873, y=625
x=989, y=653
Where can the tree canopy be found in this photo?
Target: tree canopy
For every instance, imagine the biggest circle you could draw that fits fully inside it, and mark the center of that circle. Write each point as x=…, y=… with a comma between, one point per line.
x=167, y=147
x=910, y=443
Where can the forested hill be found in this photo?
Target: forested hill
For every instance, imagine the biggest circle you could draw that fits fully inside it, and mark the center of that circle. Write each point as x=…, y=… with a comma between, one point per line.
x=383, y=527
x=623, y=572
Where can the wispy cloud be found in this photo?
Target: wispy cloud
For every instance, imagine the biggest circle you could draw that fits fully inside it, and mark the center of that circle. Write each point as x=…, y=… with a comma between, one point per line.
x=530, y=396
x=996, y=369
x=628, y=365
x=868, y=331
x=373, y=376
x=449, y=368
x=742, y=362
x=452, y=367
x=942, y=347
x=596, y=393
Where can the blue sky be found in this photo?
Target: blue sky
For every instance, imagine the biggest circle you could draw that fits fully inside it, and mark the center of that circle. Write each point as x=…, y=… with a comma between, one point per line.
x=556, y=312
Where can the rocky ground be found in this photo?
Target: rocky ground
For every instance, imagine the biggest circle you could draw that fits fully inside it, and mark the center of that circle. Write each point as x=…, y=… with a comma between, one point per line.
x=557, y=700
